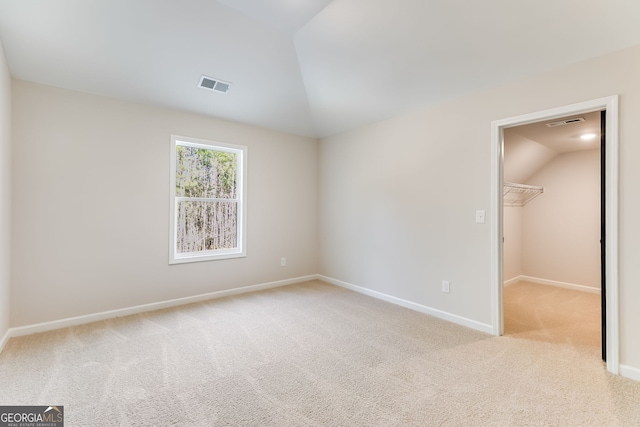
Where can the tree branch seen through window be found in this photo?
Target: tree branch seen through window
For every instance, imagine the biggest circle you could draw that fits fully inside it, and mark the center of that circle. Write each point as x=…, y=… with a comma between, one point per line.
x=207, y=203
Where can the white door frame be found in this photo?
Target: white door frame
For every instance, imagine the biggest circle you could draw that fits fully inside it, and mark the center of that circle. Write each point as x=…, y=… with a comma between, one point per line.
x=610, y=104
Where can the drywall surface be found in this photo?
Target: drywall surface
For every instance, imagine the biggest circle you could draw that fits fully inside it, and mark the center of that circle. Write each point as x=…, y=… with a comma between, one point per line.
x=398, y=197
x=523, y=157
x=561, y=228
x=91, y=205
x=512, y=247
x=5, y=193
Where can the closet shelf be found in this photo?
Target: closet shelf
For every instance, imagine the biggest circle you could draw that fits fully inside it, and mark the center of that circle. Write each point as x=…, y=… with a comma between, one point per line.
x=519, y=194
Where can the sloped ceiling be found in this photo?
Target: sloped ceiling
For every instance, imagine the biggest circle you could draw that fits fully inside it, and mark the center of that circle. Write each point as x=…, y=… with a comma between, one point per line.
x=529, y=148
x=313, y=67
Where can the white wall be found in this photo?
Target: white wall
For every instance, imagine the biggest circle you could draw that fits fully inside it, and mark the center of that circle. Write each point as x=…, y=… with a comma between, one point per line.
x=398, y=197
x=522, y=157
x=91, y=205
x=556, y=236
x=5, y=193
x=561, y=228
x=512, y=249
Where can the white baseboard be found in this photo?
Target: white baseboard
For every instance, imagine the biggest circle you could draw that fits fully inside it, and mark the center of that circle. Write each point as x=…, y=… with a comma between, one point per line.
x=512, y=281
x=625, y=371
x=79, y=320
x=412, y=305
x=552, y=283
x=5, y=339
x=630, y=372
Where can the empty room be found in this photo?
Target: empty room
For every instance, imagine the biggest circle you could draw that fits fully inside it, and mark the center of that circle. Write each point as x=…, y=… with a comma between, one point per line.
x=319, y=213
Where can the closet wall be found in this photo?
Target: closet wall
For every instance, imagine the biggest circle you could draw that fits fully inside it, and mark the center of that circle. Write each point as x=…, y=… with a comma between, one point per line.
x=556, y=236
x=512, y=258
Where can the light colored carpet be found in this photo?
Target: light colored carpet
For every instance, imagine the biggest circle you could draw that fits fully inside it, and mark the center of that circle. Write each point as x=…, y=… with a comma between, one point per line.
x=552, y=314
x=309, y=355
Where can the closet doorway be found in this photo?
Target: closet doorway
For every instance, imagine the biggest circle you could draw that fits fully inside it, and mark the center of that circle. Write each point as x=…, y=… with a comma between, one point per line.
x=522, y=156
x=552, y=264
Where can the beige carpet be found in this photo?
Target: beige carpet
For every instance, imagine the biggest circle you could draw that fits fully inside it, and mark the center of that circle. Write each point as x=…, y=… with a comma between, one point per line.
x=552, y=314
x=311, y=355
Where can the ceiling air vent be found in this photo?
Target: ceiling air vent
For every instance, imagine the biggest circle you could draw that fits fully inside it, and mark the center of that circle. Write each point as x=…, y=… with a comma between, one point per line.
x=566, y=122
x=215, y=85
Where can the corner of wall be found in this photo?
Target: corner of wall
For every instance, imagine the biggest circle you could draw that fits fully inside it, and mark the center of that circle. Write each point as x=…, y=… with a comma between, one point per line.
x=5, y=197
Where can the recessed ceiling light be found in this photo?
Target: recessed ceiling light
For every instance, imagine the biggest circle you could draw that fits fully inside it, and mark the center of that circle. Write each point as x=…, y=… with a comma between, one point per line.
x=588, y=136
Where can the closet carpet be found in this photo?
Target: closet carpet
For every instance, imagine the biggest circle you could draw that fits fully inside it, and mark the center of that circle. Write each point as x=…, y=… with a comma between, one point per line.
x=317, y=355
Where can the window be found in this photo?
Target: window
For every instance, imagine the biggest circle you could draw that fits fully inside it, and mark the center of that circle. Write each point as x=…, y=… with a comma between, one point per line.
x=207, y=200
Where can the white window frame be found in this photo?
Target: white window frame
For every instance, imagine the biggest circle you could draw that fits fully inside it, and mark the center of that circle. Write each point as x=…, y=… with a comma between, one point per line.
x=241, y=200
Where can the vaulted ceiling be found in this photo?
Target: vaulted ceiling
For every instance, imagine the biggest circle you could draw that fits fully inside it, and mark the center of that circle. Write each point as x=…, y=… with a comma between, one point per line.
x=309, y=67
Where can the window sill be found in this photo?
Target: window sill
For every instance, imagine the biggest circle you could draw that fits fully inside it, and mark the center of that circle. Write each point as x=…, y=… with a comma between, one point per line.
x=187, y=258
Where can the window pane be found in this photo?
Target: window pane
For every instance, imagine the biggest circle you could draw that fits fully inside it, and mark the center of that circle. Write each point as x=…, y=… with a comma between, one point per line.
x=205, y=173
x=206, y=226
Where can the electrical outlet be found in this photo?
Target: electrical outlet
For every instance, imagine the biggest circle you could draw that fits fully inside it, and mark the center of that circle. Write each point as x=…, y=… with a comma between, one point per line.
x=283, y=262
x=445, y=286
